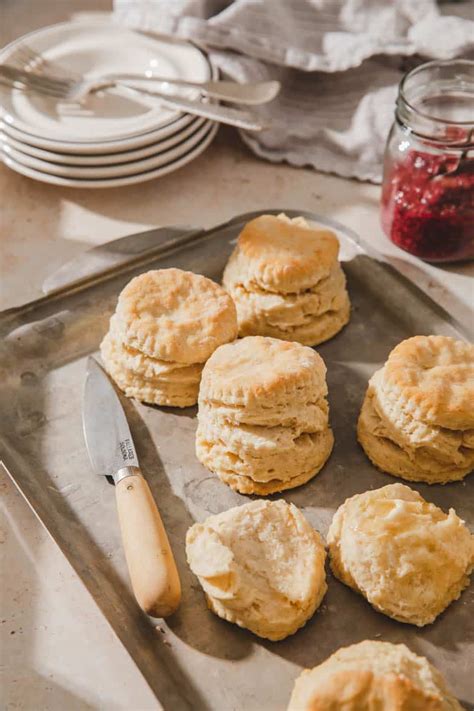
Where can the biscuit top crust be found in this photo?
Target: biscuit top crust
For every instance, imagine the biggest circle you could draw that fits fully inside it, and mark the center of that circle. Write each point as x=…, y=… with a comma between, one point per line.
x=175, y=315
x=372, y=675
x=258, y=369
x=432, y=377
x=284, y=256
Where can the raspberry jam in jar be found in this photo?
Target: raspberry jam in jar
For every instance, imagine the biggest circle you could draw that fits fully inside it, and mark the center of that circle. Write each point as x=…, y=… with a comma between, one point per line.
x=428, y=183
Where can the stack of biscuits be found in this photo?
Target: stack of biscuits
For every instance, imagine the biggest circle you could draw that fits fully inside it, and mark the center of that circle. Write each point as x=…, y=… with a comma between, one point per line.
x=263, y=415
x=166, y=325
x=286, y=281
x=261, y=566
x=417, y=419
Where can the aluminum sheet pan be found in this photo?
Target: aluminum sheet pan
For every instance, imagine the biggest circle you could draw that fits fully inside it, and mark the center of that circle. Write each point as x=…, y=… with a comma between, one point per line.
x=194, y=660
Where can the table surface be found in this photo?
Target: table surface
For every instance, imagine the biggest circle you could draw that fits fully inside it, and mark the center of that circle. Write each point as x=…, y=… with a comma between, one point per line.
x=58, y=652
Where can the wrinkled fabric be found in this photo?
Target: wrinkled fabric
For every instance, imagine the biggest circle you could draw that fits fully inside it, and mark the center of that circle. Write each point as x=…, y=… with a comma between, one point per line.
x=339, y=62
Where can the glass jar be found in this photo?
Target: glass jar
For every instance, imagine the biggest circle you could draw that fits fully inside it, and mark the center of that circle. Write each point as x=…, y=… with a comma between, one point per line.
x=428, y=182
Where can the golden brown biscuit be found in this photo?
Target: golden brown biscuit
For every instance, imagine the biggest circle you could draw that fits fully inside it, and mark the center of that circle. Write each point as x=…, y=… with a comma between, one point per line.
x=372, y=676
x=407, y=557
x=261, y=566
x=417, y=418
x=263, y=415
x=286, y=281
x=175, y=315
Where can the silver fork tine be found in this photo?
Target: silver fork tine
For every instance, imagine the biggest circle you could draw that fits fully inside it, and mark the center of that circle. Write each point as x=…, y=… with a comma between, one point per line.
x=44, y=84
x=26, y=58
x=52, y=68
x=31, y=77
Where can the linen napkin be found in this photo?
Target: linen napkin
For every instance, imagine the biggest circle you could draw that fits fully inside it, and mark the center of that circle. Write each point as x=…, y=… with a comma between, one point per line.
x=339, y=62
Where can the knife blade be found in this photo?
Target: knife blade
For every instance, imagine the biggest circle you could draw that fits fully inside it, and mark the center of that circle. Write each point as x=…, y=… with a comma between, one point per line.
x=109, y=442
x=110, y=256
x=106, y=431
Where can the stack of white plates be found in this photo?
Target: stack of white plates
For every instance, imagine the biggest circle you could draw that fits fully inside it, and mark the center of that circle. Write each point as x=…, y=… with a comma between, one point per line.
x=116, y=137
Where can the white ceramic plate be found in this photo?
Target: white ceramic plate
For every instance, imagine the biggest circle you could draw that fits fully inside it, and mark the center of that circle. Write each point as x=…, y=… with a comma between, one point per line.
x=98, y=159
x=111, y=171
x=100, y=147
x=92, y=50
x=113, y=182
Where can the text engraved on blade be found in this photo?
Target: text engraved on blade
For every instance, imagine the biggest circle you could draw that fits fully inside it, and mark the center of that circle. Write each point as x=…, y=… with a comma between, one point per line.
x=126, y=449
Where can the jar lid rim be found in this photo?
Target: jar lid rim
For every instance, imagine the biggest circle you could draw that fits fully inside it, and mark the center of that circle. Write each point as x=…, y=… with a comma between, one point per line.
x=428, y=65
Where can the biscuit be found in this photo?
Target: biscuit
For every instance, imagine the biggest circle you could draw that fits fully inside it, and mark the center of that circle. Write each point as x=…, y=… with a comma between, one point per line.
x=438, y=457
x=263, y=415
x=173, y=315
x=407, y=557
x=432, y=378
x=173, y=388
x=272, y=469
x=286, y=281
x=261, y=566
x=372, y=675
x=259, y=376
x=281, y=255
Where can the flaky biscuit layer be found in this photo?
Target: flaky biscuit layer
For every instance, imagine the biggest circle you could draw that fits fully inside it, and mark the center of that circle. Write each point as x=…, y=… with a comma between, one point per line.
x=129, y=359
x=317, y=329
x=250, y=471
x=301, y=417
x=410, y=463
x=289, y=310
x=162, y=390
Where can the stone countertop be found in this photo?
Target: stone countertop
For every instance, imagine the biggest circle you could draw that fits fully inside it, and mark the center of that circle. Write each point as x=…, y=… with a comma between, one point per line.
x=49, y=624
x=58, y=652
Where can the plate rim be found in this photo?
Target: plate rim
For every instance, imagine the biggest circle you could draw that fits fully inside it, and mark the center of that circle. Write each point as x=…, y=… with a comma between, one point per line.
x=120, y=169
x=97, y=159
x=107, y=147
x=116, y=182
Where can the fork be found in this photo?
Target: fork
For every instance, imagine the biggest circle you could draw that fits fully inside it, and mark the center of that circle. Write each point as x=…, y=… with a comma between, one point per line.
x=68, y=90
x=252, y=93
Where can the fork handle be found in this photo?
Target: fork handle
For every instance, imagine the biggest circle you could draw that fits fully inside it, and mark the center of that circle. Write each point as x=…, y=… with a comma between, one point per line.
x=215, y=89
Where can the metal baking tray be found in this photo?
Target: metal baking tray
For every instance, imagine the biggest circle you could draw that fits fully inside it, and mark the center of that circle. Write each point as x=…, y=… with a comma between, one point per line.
x=194, y=660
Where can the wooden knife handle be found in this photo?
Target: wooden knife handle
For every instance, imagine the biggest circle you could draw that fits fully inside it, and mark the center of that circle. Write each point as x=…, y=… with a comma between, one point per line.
x=150, y=561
